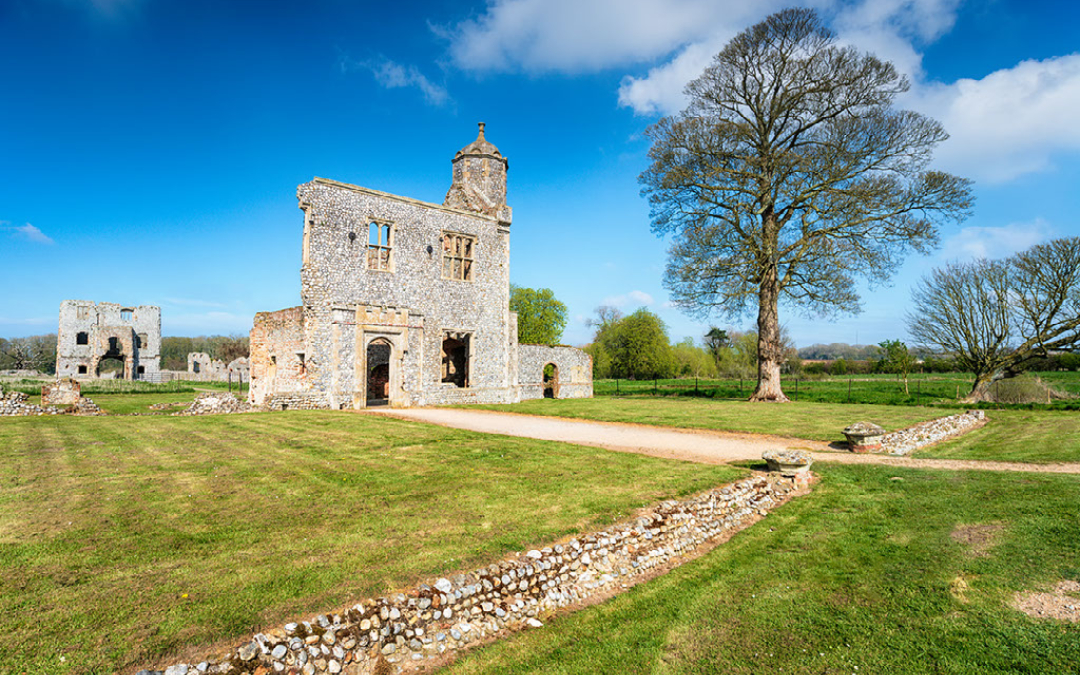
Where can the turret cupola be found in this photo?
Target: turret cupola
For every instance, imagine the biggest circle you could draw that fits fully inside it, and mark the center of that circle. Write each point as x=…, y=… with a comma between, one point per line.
x=479, y=182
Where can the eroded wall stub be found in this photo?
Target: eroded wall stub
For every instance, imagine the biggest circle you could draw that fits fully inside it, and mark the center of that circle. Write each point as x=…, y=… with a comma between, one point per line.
x=92, y=335
x=554, y=372
x=65, y=391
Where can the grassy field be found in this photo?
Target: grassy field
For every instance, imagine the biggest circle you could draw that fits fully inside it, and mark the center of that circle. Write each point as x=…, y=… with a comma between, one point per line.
x=877, y=571
x=124, y=539
x=923, y=389
x=1039, y=436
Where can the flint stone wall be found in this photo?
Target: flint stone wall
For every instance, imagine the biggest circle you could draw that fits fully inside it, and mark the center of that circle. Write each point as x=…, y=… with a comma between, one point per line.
x=908, y=440
x=415, y=628
x=573, y=371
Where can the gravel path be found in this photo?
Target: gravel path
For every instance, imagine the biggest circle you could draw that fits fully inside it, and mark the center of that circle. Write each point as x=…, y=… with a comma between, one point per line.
x=708, y=447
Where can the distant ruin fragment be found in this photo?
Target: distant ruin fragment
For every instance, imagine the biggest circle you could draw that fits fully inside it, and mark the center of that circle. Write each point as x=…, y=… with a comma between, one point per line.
x=106, y=340
x=203, y=368
x=406, y=303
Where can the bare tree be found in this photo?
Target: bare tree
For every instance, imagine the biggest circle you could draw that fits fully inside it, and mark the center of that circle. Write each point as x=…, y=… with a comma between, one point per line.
x=788, y=176
x=996, y=316
x=37, y=352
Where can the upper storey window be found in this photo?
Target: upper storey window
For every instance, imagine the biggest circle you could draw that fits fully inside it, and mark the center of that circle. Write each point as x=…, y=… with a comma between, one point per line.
x=458, y=252
x=126, y=314
x=379, y=243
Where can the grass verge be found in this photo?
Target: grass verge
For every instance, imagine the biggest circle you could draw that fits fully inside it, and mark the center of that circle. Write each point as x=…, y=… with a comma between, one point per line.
x=874, y=572
x=126, y=539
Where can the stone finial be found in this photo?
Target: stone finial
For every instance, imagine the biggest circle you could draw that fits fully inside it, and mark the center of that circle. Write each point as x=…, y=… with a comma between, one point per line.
x=480, y=136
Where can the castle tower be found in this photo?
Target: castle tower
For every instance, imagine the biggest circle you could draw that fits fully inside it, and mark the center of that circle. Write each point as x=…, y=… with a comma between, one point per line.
x=479, y=180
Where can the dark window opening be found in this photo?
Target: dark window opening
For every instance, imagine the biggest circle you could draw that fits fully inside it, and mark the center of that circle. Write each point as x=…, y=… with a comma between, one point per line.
x=455, y=359
x=195, y=367
x=458, y=256
x=301, y=365
x=82, y=338
x=142, y=370
x=141, y=341
x=82, y=370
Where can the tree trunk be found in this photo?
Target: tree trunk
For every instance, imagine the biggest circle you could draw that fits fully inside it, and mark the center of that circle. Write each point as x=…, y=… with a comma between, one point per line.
x=981, y=390
x=770, y=351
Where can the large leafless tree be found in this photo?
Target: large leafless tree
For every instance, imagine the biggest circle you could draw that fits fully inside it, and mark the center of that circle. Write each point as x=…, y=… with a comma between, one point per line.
x=788, y=176
x=995, y=316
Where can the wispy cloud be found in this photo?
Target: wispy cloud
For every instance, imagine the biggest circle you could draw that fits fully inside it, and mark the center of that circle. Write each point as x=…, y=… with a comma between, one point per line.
x=33, y=321
x=28, y=232
x=206, y=323
x=193, y=302
x=640, y=298
x=995, y=242
x=393, y=75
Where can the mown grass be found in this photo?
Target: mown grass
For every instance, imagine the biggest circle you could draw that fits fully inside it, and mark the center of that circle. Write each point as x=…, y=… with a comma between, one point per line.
x=813, y=421
x=124, y=540
x=861, y=576
x=1037, y=436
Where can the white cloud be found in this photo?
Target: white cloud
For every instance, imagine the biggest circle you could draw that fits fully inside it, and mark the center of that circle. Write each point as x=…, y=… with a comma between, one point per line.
x=192, y=302
x=586, y=35
x=28, y=232
x=640, y=298
x=392, y=75
x=995, y=242
x=1010, y=122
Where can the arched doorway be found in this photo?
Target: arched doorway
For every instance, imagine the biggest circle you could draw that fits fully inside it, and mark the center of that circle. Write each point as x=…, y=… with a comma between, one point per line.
x=551, y=381
x=378, y=371
x=112, y=364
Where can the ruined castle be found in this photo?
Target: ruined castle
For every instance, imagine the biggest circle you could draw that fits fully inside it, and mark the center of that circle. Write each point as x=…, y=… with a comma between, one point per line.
x=406, y=303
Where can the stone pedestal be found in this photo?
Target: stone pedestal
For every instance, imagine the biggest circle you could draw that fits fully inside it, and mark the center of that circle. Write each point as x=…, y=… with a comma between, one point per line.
x=864, y=436
x=794, y=464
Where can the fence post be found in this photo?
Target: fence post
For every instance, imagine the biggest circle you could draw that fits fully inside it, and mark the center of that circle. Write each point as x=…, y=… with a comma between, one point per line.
x=616, y=386
x=695, y=386
x=796, y=389
x=918, y=391
x=849, y=389
x=654, y=388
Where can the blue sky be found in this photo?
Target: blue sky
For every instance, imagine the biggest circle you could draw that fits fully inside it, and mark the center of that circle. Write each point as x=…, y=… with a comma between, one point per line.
x=150, y=149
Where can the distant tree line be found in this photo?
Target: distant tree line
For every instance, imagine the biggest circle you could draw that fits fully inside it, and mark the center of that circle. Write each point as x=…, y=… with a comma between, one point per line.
x=38, y=352
x=174, y=350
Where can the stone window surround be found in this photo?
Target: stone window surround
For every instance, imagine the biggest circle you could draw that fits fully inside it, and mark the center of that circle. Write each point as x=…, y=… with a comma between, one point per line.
x=378, y=227
x=468, y=273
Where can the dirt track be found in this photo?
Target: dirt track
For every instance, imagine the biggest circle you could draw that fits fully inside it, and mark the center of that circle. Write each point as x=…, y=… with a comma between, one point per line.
x=708, y=447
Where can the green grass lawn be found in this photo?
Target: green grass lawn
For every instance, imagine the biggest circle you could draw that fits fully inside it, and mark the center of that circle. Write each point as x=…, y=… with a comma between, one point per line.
x=124, y=540
x=814, y=421
x=1039, y=436
x=864, y=575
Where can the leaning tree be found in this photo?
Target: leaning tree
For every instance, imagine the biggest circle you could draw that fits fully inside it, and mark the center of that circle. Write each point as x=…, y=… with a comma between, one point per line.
x=789, y=175
x=996, y=316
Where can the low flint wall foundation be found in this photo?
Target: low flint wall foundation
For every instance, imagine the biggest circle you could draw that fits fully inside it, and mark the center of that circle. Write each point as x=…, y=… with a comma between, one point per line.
x=419, y=628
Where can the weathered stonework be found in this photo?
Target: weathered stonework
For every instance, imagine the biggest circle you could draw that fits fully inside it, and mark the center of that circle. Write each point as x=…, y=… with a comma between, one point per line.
x=202, y=368
x=406, y=303
x=90, y=332
x=65, y=391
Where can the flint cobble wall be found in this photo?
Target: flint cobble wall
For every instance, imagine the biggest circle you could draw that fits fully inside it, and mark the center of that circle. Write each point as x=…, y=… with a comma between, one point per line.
x=908, y=440
x=573, y=371
x=136, y=330
x=413, y=629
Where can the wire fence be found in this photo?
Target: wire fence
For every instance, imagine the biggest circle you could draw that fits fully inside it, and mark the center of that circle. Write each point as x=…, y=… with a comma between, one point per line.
x=919, y=389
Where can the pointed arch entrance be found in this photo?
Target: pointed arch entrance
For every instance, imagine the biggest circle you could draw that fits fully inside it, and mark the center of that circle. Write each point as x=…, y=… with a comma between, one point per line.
x=378, y=364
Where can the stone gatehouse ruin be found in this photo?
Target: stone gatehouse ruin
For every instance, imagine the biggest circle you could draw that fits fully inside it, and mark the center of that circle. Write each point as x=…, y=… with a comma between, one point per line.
x=104, y=339
x=406, y=303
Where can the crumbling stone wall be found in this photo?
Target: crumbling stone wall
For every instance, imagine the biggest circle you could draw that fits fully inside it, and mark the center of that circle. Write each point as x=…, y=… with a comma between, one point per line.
x=65, y=391
x=554, y=372
x=90, y=332
x=404, y=302
x=417, y=626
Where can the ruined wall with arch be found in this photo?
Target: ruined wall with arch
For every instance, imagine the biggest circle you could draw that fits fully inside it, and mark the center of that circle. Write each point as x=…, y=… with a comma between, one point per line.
x=91, y=333
x=573, y=372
